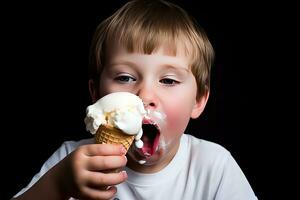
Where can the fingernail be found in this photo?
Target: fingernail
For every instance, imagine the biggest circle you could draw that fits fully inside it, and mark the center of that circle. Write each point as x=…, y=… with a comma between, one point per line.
x=123, y=150
x=124, y=174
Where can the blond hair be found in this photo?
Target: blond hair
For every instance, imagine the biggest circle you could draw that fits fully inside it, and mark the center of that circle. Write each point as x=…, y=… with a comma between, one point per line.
x=145, y=25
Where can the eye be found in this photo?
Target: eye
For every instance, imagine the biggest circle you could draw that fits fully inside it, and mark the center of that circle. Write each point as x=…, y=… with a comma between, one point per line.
x=169, y=81
x=125, y=79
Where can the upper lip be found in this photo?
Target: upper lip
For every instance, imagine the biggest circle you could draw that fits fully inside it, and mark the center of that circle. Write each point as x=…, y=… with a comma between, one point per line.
x=148, y=120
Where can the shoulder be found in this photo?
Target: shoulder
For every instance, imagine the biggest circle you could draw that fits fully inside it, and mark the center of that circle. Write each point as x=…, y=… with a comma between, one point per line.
x=213, y=163
x=69, y=146
x=201, y=143
x=206, y=157
x=205, y=150
x=66, y=148
x=207, y=161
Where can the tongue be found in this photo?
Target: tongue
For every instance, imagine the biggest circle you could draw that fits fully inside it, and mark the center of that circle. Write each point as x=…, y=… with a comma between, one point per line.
x=150, y=144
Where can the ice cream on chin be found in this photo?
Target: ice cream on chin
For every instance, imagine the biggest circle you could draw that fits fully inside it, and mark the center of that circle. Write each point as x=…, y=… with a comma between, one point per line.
x=116, y=118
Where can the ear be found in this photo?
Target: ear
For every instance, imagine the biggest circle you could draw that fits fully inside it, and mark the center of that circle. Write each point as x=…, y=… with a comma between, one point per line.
x=93, y=89
x=199, y=105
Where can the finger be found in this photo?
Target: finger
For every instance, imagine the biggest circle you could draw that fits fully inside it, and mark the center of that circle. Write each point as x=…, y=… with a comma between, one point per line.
x=98, y=163
x=91, y=193
x=99, y=179
x=104, y=149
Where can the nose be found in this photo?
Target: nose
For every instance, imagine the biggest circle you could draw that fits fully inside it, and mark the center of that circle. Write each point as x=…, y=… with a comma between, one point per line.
x=147, y=94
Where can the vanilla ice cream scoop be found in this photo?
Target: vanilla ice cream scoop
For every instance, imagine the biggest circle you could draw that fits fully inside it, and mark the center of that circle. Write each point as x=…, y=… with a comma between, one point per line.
x=122, y=110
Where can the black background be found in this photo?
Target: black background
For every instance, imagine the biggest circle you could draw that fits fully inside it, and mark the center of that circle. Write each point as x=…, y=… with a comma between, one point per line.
x=45, y=93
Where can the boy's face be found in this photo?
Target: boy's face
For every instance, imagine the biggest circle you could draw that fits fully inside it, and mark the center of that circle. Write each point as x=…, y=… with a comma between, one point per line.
x=165, y=84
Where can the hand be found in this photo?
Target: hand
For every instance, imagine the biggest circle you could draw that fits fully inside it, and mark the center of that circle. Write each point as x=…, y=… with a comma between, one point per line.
x=81, y=173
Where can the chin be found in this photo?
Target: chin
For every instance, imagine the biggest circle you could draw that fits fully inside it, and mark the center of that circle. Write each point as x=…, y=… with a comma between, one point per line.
x=149, y=160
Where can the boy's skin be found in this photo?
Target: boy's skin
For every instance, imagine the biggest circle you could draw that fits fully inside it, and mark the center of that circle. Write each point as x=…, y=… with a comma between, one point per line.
x=165, y=83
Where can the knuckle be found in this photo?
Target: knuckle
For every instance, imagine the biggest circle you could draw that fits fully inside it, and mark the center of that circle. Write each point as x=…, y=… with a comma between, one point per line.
x=106, y=162
x=101, y=179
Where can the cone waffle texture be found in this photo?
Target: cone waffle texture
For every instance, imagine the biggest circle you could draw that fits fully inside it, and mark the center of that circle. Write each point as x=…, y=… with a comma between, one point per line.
x=110, y=135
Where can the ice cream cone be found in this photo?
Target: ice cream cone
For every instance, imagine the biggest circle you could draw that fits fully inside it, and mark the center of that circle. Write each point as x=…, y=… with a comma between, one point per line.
x=111, y=135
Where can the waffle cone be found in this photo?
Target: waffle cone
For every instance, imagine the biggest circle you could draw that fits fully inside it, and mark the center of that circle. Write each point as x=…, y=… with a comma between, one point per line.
x=111, y=135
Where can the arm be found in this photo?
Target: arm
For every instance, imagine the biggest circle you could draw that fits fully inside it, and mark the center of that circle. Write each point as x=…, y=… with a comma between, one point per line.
x=79, y=175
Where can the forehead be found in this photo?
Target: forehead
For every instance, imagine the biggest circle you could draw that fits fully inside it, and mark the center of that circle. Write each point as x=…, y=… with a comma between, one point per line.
x=165, y=49
x=119, y=58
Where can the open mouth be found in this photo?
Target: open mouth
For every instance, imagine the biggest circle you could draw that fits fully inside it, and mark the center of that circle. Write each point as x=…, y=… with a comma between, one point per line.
x=151, y=133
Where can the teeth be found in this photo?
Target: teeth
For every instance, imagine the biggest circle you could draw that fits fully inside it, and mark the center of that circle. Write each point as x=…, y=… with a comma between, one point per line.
x=149, y=121
x=147, y=154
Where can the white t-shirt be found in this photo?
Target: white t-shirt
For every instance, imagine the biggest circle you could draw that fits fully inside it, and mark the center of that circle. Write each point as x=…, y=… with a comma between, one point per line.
x=200, y=170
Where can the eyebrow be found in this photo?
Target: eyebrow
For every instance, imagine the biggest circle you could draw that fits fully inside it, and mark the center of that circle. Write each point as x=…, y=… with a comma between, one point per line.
x=176, y=67
x=167, y=66
x=123, y=63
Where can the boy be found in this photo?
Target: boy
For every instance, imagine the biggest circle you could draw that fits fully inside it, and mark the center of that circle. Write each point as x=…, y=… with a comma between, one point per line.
x=154, y=50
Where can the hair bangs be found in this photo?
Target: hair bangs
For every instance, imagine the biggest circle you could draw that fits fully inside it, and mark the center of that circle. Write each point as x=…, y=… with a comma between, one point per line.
x=141, y=30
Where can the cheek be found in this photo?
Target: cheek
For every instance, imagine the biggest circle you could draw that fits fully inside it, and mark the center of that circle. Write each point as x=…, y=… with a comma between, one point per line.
x=107, y=86
x=177, y=120
x=104, y=86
